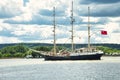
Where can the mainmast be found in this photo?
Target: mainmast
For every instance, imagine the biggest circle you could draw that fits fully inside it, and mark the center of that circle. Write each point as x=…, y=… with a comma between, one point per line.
x=89, y=28
x=72, y=32
x=54, y=53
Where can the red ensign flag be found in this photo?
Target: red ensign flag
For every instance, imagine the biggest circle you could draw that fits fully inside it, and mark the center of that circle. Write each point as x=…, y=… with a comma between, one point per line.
x=104, y=32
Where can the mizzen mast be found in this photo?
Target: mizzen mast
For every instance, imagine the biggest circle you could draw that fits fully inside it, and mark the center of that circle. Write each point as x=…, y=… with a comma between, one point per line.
x=54, y=42
x=89, y=28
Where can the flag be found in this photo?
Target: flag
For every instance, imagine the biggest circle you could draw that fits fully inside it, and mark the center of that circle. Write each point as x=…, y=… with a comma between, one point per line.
x=103, y=32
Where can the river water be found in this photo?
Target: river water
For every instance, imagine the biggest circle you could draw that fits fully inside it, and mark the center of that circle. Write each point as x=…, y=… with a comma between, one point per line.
x=38, y=69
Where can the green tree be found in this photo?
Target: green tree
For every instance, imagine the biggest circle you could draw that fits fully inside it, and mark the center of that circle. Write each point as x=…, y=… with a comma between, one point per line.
x=109, y=51
x=7, y=55
x=14, y=51
x=43, y=48
x=0, y=55
x=29, y=52
x=20, y=48
x=19, y=55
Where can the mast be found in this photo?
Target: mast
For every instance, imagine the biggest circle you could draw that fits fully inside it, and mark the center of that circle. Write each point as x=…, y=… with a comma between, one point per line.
x=72, y=32
x=54, y=53
x=89, y=28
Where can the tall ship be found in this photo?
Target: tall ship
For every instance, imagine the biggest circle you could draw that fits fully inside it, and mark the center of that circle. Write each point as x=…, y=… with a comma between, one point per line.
x=89, y=53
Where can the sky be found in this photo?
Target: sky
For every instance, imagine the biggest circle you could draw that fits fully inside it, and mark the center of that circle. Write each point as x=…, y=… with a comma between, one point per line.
x=31, y=21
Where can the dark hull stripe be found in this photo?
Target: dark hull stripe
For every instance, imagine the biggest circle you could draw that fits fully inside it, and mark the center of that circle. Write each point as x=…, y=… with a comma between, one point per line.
x=79, y=57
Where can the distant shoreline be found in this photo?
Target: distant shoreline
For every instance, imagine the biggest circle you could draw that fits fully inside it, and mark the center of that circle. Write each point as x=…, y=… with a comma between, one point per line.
x=112, y=55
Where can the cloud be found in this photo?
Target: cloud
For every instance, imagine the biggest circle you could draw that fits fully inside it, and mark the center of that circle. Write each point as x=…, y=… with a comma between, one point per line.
x=104, y=11
x=44, y=20
x=25, y=2
x=114, y=38
x=112, y=27
x=11, y=8
x=5, y=33
x=98, y=1
x=46, y=12
x=99, y=10
x=111, y=38
x=40, y=20
x=5, y=30
x=41, y=13
x=22, y=21
x=35, y=19
x=103, y=20
x=33, y=32
x=4, y=39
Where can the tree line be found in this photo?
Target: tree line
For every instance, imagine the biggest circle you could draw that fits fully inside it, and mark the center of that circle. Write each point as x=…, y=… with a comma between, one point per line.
x=109, y=51
x=21, y=51
x=14, y=51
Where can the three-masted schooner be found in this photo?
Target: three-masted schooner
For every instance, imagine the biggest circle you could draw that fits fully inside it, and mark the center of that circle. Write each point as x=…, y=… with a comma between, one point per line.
x=82, y=54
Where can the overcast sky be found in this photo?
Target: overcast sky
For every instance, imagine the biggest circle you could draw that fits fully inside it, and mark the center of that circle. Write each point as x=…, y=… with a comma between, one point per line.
x=32, y=21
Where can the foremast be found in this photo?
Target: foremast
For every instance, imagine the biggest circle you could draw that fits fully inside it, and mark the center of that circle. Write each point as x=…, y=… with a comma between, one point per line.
x=72, y=31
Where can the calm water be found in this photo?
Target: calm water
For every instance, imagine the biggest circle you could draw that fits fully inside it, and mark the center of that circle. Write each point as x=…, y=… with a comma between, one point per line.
x=65, y=70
